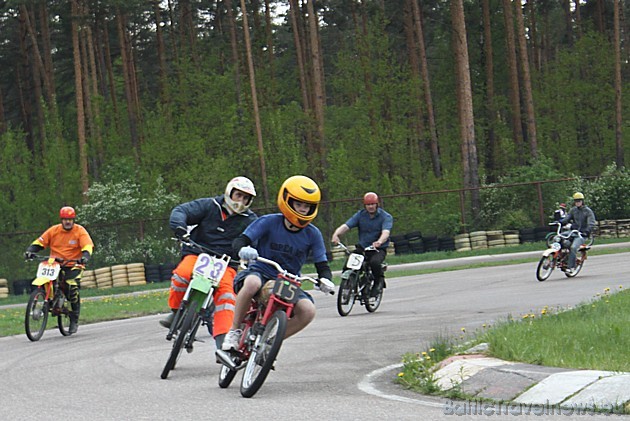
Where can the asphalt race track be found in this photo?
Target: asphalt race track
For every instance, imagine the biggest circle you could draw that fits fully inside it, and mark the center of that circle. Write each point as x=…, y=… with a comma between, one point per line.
x=338, y=368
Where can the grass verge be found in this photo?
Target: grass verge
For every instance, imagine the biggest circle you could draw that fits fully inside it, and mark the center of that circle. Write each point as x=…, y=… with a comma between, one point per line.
x=594, y=335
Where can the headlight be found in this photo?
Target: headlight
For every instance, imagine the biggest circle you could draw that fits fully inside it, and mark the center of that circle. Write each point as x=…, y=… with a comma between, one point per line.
x=556, y=239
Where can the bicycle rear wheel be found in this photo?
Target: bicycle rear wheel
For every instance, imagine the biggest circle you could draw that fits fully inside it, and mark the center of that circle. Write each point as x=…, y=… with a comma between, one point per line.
x=347, y=294
x=372, y=303
x=36, y=315
x=264, y=355
x=187, y=324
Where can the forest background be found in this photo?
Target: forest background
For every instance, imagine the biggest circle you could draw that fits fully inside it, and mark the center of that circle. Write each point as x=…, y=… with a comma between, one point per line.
x=125, y=108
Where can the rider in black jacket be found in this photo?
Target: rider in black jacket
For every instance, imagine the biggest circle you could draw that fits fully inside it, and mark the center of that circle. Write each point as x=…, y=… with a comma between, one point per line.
x=582, y=219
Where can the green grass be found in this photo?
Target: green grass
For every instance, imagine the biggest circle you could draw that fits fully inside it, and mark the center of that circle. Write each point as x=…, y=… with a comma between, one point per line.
x=594, y=335
x=110, y=307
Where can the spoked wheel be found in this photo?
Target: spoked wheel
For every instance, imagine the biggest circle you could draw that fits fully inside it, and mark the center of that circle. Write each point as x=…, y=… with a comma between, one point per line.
x=545, y=267
x=264, y=355
x=347, y=294
x=372, y=303
x=63, y=319
x=188, y=317
x=226, y=376
x=36, y=315
x=578, y=265
x=549, y=238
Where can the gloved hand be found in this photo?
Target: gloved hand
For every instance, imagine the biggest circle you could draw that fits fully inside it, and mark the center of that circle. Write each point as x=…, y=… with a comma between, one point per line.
x=84, y=258
x=29, y=255
x=248, y=253
x=181, y=233
x=326, y=286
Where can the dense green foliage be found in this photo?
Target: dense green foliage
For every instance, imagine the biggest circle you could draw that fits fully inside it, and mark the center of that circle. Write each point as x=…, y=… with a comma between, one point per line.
x=199, y=131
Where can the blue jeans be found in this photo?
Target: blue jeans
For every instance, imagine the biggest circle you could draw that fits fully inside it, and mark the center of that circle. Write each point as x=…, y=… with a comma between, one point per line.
x=575, y=245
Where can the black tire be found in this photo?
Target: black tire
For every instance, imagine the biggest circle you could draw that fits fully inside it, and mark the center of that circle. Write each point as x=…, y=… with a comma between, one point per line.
x=549, y=238
x=372, y=305
x=264, y=355
x=578, y=266
x=36, y=315
x=545, y=267
x=63, y=319
x=188, y=316
x=226, y=376
x=347, y=294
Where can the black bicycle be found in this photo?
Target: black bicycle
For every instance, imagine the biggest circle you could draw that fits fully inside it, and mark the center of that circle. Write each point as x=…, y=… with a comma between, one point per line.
x=356, y=283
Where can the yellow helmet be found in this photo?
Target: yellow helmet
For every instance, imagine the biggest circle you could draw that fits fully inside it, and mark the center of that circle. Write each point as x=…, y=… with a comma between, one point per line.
x=302, y=189
x=578, y=196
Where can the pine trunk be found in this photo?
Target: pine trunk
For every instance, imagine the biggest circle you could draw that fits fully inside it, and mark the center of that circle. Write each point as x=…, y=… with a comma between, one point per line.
x=528, y=97
x=465, y=105
x=78, y=84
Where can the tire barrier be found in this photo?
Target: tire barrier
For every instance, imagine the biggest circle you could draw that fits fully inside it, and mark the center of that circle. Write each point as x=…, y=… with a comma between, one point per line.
x=4, y=288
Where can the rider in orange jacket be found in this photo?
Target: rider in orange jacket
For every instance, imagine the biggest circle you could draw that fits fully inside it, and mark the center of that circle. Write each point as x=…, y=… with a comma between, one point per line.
x=68, y=241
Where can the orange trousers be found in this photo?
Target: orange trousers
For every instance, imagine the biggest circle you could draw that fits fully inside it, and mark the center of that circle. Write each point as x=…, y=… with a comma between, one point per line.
x=224, y=297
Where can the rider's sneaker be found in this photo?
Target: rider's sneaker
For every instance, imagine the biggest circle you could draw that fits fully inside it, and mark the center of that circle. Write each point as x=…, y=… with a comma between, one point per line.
x=569, y=271
x=232, y=340
x=74, y=326
x=166, y=322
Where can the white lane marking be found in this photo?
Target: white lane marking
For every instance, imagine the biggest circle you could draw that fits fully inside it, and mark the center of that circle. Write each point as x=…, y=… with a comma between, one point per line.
x=366, y=385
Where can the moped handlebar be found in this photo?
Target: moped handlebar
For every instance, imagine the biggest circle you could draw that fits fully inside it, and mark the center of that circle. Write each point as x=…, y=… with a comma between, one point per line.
x=57, y=259
x=187, y=241
x=283, y=272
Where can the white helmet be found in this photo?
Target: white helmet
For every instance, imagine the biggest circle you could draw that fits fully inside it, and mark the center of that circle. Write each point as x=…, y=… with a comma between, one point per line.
x=243, y=184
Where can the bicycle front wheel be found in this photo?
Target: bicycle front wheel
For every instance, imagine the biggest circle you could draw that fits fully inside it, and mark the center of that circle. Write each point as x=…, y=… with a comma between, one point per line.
x=187, y=324
x=36, y=315
x=347, y=294
x=264, y=355
x=545, y=267
x=226, y=376
x=63, y=319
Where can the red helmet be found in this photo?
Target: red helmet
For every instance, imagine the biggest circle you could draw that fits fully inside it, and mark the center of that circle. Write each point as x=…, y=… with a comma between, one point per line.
x=563, y=205
x=370, y=198
x=67, y=213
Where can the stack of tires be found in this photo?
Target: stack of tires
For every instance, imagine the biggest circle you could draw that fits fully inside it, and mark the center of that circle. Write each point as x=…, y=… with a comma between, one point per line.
x=541, y=232
x=166, y=271
x=22, y=286
x=401, y=244
x=527, y=235
x=103, y=277
x=623, y=227
x=416, y=242
x=119, y=276
x=152, y=273
x=446, y=244
x=88, y=279
x=462, y=242
x=478, y=240
x=511, y=238
x=431, y=243
x=495, y=239
x=136, y=274
x=608, y=228
x=4, y=288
